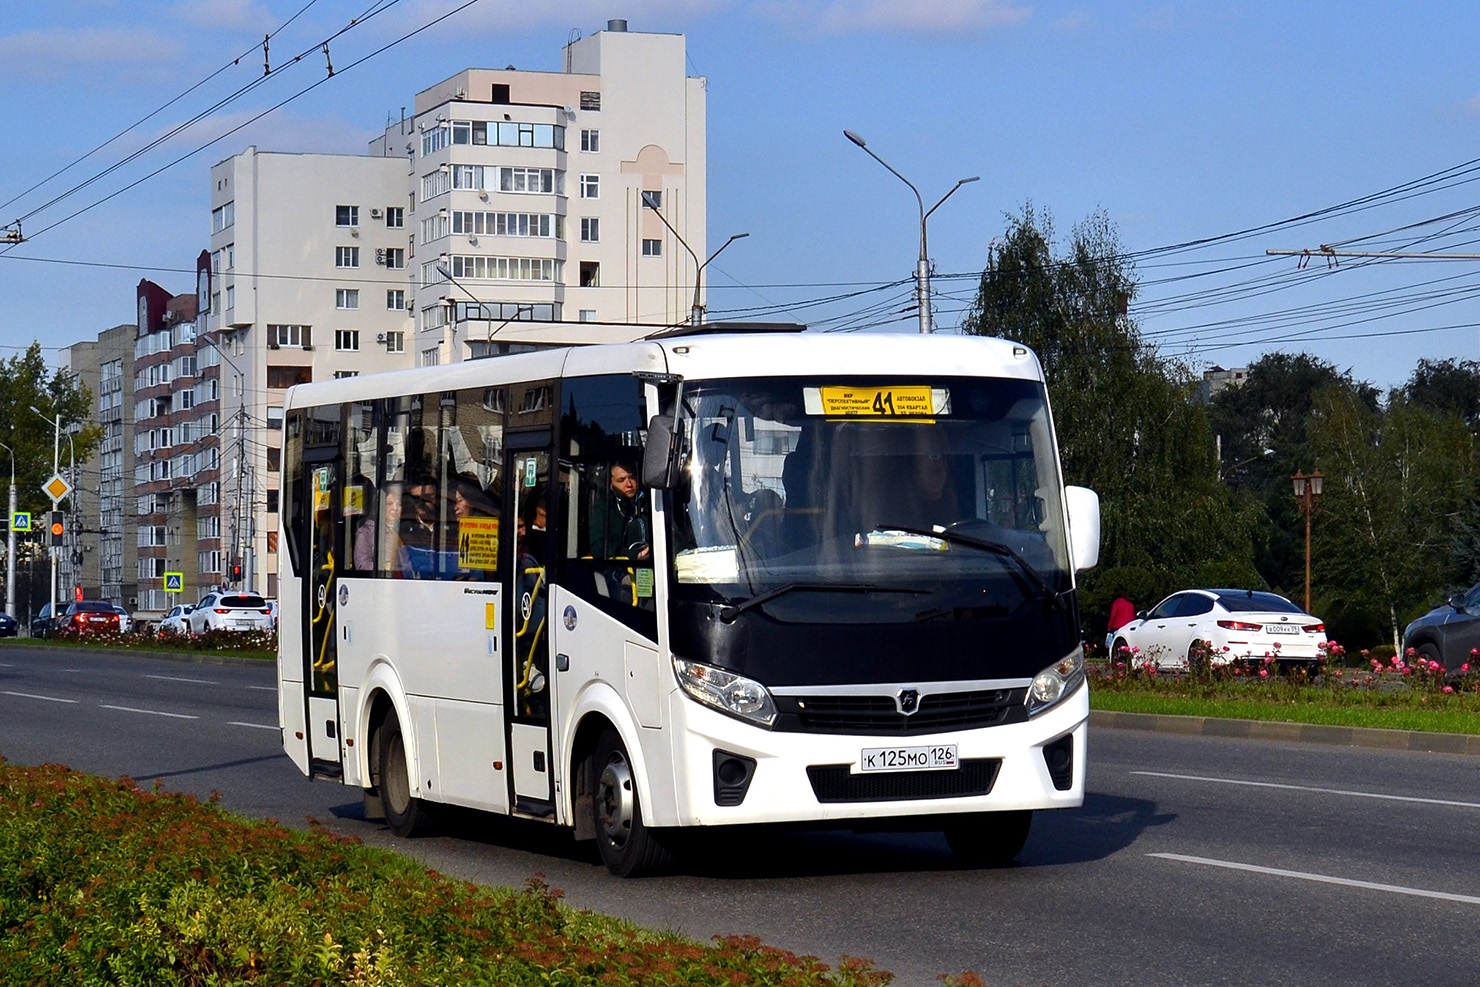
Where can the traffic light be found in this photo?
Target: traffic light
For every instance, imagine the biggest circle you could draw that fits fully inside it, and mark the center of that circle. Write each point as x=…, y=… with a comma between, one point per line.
x=58, y=527
x=236, y=570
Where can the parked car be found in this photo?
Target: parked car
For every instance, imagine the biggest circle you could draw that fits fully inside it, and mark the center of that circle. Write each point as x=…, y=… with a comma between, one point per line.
x=1447, y=633
x=9, y=626
x=87, y=617
x=273, y=607
x=1235, y=624
x=230, y=612
x=177, y=621
x=42, y=620
x=124, y=620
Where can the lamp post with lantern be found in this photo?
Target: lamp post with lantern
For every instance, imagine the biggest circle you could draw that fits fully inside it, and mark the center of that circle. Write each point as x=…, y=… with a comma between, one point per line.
x=1308, y=496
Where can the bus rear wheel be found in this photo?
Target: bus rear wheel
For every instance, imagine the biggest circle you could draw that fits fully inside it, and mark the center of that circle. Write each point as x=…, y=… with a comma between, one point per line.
x=405, y=815
x=989, y=839
x=627, y=846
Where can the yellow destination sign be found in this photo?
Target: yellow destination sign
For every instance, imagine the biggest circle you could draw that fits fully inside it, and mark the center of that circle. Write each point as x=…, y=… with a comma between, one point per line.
x=912, y=401
x=477, y=542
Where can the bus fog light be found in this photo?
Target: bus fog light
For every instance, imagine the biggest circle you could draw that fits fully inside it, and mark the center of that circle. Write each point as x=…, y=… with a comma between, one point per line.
x=740, y=697
x=1056, y=681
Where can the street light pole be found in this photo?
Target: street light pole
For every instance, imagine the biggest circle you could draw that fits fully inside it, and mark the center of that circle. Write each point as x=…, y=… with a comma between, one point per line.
x=56, y=448
x=922, y=271
x=1308, y=495
x=10, y=538
x=696, y=309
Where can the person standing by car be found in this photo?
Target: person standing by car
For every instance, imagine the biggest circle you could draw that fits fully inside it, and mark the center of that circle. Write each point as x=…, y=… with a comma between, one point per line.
x=1122, y=612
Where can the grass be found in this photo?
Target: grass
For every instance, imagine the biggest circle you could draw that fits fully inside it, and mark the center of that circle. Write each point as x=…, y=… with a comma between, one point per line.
x=102, y=882
x=1402, y=693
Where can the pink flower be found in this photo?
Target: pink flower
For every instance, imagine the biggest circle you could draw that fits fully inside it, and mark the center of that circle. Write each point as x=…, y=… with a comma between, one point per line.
x=1264, y=673
x=1465, y=667
x=1448, y=690
x=1433, y=666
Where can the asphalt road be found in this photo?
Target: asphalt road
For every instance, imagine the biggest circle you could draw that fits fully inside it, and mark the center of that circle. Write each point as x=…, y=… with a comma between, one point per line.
x=1195, y=860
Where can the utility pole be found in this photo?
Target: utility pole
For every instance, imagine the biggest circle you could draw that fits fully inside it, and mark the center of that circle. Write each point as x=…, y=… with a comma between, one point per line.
x=10, y=539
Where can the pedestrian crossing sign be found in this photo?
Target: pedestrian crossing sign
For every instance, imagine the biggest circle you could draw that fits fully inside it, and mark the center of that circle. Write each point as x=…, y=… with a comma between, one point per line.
x=174, y=582
x=20, y=521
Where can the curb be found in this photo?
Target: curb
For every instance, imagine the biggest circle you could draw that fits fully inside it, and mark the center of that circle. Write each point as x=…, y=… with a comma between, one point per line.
x=1308, y=733
x=187, y=657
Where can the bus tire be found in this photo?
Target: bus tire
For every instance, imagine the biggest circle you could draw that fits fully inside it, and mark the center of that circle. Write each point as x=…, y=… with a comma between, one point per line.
x=627, y=846
x=989, y=839
x=405, y=815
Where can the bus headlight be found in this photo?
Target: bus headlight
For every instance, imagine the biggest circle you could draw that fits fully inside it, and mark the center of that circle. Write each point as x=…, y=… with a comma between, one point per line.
x=1056, y=681
x=743, y=698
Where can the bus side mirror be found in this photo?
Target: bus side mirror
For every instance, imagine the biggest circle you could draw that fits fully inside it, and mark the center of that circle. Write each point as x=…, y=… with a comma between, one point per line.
x=1083, y=507
x=660, y=454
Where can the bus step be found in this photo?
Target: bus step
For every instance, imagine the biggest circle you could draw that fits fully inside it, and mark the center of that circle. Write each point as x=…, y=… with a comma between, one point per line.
x=540, y=808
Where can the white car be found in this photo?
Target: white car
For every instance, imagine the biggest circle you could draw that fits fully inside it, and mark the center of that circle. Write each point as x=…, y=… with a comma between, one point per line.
x=230, y=612
x=1235, y=624
x=125, y=622
x=177, y=621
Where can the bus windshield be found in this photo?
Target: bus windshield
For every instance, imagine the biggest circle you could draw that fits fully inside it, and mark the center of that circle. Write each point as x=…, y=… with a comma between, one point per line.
x=942, y=494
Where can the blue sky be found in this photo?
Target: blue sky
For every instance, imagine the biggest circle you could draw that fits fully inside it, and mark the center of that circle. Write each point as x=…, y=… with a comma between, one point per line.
x=1183, y=122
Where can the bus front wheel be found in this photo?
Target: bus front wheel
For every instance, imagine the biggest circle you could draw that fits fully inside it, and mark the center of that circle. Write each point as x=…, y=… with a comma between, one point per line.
x=989, y=839
x=627, y=846
x=405, y=815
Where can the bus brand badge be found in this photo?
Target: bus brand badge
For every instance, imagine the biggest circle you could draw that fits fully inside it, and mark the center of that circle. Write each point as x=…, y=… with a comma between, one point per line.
x=343, y=594
x=570, y=618
x=908, y=700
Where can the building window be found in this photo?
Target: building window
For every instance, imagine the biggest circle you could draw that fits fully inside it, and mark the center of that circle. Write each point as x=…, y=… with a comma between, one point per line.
x=347, y=298
x=392, y=257
x=223, y=217
x=591, y=140
x=338, y=375
x=395, y=217
x=346, y=256
x=431, y=357
x=591, y=101
x=347, y=340
x=588, y=315
x=590, y=230
x=590, y=274
x=507, y=268
x=652, y=248
x=652, y=199
x=395, y=298
x=284, y=377
x=395, y=342
x=288, y=336
x=590, y=186
x=545, y=180
x=346, y=215
x=231, y=296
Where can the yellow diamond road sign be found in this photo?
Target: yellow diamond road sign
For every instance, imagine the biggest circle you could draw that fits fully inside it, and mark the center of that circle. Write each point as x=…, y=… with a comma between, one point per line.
x=56, y=488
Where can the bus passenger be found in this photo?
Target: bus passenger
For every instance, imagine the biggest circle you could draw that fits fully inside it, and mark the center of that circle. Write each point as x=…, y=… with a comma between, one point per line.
x=619, y=524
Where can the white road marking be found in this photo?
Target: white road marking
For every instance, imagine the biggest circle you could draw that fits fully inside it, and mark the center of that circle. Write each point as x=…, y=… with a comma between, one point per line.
x=1310, y=788
x=255, y=726
x=176, y=678
x=151, y=712
x=263, y=688
x=32, y=695
x=1321, y=878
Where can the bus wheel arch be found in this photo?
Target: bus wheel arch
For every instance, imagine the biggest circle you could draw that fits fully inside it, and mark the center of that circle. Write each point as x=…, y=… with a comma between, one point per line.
x=627, y=846
x=582, y=771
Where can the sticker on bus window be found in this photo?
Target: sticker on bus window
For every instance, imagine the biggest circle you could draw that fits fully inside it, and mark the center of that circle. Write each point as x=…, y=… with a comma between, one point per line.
x=918, y=402
x=477, y=542
x=644, y=583
x=354, y=501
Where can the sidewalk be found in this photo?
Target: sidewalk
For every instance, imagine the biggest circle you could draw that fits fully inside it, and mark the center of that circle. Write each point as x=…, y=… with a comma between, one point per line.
x=1308, y=733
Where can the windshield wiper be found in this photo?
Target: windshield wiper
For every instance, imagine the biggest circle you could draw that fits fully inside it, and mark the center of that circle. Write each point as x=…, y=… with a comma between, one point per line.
x=728, y=614
x=986, y=545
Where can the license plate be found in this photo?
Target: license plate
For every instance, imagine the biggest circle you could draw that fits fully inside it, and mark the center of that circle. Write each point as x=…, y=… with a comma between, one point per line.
x=941, y=757
x=1281, y=629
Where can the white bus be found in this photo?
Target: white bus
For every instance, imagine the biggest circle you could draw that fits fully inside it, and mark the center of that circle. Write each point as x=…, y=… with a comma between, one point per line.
x=699, y=580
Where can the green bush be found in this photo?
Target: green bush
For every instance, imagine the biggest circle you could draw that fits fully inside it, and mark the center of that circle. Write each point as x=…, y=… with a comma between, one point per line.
x=101, y=882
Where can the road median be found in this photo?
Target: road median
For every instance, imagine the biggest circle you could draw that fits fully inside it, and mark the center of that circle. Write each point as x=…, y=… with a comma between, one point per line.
x=1310, y=733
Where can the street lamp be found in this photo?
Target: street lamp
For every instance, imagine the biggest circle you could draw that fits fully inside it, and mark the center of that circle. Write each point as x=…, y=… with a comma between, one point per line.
x=922, y=273
x=696, y=310
x=56, y=448
x=10, y=538
x=1308, y=496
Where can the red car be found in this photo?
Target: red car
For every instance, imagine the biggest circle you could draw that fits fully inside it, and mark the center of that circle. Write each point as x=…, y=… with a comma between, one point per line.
x=87, y=617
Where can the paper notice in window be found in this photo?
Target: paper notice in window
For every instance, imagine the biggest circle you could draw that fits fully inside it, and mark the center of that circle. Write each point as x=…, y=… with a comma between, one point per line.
x=716, y=564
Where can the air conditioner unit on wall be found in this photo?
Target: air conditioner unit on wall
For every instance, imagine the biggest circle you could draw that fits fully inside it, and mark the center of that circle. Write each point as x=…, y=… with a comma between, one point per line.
x=375, y=214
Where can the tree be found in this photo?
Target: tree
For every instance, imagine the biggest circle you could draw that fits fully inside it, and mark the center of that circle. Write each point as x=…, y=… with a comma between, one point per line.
x=1447, y=385
x=1397, y=482
x=1125, y=422
x=25, y=382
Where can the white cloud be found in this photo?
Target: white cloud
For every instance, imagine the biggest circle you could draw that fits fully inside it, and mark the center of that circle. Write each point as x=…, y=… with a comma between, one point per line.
x=892, y=16
x=56, y=52
x=281, y=130
x=225, y=15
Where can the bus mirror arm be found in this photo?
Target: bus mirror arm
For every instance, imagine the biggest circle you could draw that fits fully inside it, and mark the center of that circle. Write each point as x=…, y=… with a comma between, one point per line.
x=660, y=454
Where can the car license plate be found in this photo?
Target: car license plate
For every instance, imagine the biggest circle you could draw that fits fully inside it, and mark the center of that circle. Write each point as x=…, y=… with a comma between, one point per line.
x=1281, y=629
x=941, y=757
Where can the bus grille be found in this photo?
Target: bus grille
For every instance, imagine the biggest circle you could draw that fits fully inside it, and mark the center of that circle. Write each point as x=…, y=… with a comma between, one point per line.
x=835, y=783
x=879, y=715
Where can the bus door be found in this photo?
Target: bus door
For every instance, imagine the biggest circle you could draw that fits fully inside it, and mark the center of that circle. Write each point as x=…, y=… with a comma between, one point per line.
x=526, y=627
x=324, y=513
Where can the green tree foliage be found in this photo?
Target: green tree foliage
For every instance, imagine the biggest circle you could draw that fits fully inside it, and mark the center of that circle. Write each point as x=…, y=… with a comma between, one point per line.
x=25, y=382
x=1397, y=482
x=1451, y=386
x=1126, y=425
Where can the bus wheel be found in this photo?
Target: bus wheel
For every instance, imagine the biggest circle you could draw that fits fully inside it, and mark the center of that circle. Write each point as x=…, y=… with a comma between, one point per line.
x=989, y=839
x=627, y=846
x=406, y=816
